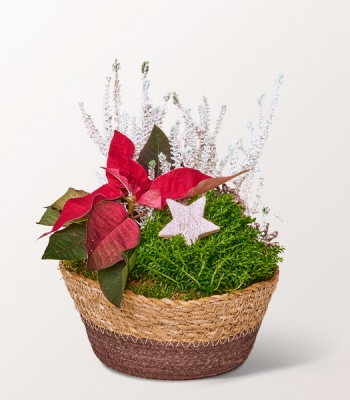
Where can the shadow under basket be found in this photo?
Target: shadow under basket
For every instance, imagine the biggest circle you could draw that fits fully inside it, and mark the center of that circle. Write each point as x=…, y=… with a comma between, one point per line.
x=171, y=339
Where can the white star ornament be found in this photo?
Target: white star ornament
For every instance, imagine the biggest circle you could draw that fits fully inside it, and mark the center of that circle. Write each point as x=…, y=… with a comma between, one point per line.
x=188, y=221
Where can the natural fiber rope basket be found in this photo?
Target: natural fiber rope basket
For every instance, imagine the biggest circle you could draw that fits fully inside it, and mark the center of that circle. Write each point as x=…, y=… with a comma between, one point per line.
x=166, y=339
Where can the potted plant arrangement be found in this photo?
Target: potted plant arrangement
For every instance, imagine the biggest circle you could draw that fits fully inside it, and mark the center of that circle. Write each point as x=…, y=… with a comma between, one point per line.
x=166, y=263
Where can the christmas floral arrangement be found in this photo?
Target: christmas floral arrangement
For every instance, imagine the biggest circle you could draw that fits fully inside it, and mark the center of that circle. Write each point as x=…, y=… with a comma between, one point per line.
x=169, y=221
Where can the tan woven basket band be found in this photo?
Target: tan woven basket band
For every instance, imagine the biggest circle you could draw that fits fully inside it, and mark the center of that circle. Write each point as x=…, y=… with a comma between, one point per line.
x=216, y=318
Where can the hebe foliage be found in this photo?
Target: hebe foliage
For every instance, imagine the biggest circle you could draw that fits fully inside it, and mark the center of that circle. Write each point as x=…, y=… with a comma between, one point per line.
x=231, y=259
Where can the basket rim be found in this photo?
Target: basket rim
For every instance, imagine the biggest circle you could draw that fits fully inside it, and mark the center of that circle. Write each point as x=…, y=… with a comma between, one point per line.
x=165, y=302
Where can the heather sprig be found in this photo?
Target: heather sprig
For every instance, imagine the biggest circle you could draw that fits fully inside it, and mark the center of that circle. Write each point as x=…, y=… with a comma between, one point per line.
x=192, y=143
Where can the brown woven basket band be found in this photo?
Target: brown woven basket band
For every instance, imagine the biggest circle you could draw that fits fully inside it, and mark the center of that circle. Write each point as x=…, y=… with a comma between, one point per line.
x=167, y=343
x=210, y=319
x=153, y=360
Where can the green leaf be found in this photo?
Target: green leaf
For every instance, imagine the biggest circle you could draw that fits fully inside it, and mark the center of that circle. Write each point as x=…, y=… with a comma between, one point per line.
x=53, y=212
x=50, y=217
x=67, y=244
x=157, y=143
x=113, y=279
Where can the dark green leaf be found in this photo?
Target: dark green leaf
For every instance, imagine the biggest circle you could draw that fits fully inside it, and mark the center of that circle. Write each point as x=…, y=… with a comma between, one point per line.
x=113, y=279
x=157, y=143
x=53, y=212
x=67, y=244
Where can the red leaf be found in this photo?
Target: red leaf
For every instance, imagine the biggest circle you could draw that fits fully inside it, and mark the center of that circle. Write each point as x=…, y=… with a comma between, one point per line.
x=80, y=206
x=119, y=158
x=138, y=178
x=151, y=198
x=109, y=232
x=120, y=180
x=210, y=183
x=120, y=152
x=173, y=185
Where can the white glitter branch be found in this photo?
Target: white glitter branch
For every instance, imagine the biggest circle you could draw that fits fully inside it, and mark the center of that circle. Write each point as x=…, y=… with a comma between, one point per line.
x=137, y=129
x=175, y=149
x=241, y=158
x=165, y=165
x=93, y=132
x=116, y=94
x=107, y=112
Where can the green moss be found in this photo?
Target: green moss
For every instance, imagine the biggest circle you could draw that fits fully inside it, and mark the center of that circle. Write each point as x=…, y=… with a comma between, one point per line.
x=79, y=266
x=231, y=259
x=160, y=290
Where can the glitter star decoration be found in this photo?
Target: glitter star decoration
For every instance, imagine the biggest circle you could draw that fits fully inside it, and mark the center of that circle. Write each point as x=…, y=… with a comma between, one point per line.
x=188, y=221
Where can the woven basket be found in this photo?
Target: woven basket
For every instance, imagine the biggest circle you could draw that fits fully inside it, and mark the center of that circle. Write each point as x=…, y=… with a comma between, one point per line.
x=166, y=339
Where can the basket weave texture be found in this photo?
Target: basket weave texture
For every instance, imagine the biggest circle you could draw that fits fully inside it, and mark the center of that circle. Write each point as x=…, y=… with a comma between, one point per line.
x=226, y=323
x=216, y=318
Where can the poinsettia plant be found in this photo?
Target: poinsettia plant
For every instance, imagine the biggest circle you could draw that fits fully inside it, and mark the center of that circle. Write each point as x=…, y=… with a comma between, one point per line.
x=102, y=226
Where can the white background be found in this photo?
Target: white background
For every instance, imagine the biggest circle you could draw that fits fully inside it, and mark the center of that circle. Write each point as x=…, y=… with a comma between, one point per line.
x=55, y=53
